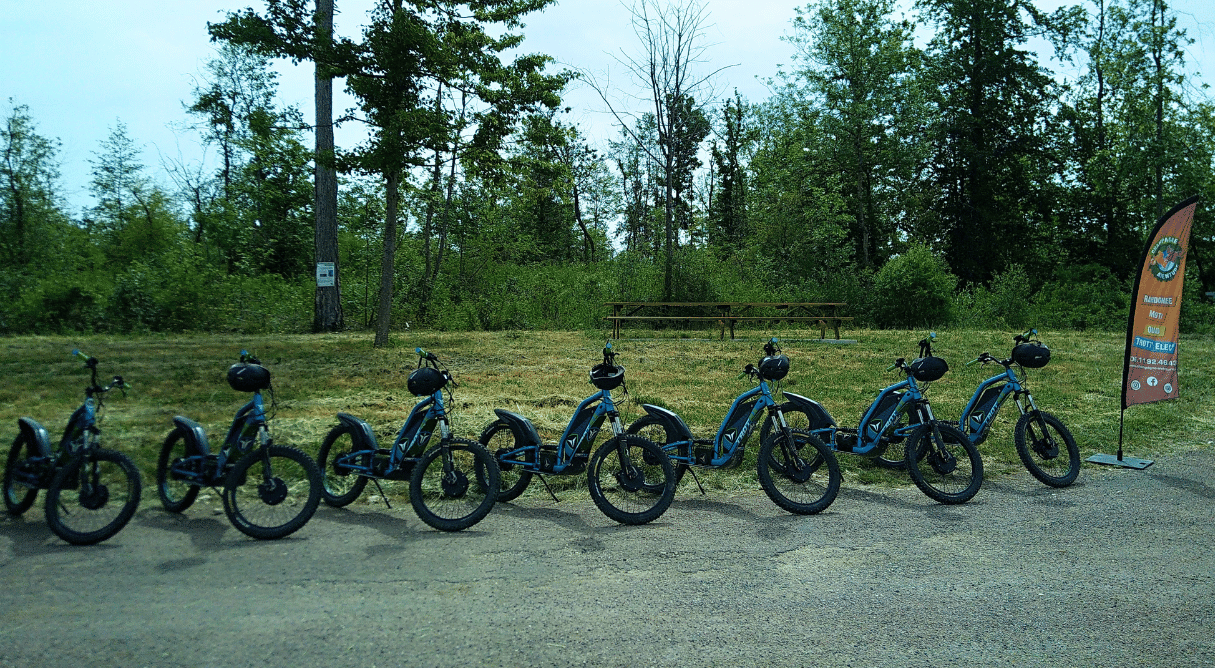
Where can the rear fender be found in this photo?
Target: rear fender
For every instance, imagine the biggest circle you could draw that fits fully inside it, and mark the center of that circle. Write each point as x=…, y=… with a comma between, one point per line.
x=674, y=425
x=196, y=436
x=36, y=435
x=361, y=433
x=819, y=417
x=523, y=429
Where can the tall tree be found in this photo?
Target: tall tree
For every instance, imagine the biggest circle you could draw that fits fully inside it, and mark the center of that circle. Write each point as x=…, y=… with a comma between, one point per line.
x=728, y=203
x=292, y=29
x=29, y=174
x=672, y=43
x=990, y=155
x=860, y=65
x=327, y=303
x=410, y=57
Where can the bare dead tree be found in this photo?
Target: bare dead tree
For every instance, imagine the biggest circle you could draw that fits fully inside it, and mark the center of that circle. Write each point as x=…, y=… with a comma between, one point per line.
x=673, y=50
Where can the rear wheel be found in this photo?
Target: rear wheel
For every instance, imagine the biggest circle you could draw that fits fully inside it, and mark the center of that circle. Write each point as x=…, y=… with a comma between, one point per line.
x=22, y=476
x=653, y=430
x=631, y=479
x=175, y=463
x=499, y=440
x=93, y=496
x=455, y=485
x=341, y=486
x=943, y=463
x=799, y=473
x=1047, y=448
x=272, y=492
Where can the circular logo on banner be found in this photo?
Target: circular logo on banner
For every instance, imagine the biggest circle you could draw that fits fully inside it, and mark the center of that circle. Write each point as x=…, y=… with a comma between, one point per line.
x=1152, y=382
x=1165, y=259
x=1168, y=388
x=1135, y=385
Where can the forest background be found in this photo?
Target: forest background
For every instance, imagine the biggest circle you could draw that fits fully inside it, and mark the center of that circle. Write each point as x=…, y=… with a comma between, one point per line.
x=954, y=182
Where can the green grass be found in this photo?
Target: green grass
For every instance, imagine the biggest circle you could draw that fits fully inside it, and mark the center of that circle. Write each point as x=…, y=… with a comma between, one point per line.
x=543, y=375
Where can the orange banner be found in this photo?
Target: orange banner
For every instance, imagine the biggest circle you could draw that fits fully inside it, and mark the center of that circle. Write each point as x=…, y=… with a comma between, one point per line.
x=1149, y=371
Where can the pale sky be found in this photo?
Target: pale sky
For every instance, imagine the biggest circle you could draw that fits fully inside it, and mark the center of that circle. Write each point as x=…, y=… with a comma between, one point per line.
x=82, y=66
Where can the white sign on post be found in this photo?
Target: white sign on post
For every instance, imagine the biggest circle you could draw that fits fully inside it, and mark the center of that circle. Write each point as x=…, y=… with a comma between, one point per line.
x=324, y=275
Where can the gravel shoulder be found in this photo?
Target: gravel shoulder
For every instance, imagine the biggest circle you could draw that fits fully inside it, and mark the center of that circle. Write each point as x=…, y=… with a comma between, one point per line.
x=1117, y=570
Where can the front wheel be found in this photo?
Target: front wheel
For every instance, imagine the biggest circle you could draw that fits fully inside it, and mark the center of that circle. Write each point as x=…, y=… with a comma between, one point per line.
x=1047, y=448
x=176, y=494
x=455, y=485
x=22, y=475
x=499, y=440
x=631, y=479
x=943, y=463
x=341, y=486
x=93, y=496
x=272, y=492
x=798, y=472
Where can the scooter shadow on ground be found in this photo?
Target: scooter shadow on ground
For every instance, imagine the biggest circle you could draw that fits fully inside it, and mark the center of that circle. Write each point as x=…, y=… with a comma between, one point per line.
x=567, y=519
x=31, y=537
x=1195, y=487
x=205, y=533
x=401, y=527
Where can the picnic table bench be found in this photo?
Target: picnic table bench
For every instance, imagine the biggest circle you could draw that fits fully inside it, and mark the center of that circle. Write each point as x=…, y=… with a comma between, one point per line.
x=823, y=314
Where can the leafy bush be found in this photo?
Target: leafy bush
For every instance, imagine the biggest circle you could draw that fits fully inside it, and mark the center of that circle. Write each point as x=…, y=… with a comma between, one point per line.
x=1005, y=305
x=1082, y=297
x=913, y=290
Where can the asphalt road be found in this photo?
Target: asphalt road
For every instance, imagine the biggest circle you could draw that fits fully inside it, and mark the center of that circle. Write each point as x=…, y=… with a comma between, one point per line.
x=1117, y=570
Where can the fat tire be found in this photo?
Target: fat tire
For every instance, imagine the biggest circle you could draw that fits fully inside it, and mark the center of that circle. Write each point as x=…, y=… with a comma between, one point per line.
x=238, y=499
x=1032, y=459
x=651, y=504
x=515, y=479
x=17, y=498
x=644, y=427
x=169, y=453
x=70, y=478
x=920, y=463
x=482, y=478
x=324, y=461
x=774, y=463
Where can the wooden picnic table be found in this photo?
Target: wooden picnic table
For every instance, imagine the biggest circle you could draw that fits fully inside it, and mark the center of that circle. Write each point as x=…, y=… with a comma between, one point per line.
x=825, y=314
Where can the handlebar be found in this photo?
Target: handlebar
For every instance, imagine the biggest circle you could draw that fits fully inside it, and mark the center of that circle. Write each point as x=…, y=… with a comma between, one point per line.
x=90, y=363
x=1027, y=336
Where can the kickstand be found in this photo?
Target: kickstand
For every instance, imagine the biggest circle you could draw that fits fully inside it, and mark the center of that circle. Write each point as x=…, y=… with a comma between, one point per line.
x=382, y=494
x=550, y=489
x=702, y=487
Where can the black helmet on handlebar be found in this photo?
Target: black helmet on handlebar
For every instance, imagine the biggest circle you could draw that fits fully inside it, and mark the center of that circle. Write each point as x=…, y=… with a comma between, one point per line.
x=607, y=376
x=246, y=377
x=425, y=381
x=774, y=367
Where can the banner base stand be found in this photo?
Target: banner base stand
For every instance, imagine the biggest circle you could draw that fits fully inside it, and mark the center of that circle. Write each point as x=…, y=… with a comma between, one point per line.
x=1124, y=462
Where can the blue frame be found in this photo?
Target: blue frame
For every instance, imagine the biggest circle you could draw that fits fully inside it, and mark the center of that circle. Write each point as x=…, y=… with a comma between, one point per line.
x=584, y=426
x=865, y=445
x=412, y=437
x=724, y=449
x=251, y=416
x=1011, y=386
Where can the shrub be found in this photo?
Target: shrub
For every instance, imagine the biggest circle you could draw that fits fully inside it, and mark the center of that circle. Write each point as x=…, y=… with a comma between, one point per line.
x=913, y=290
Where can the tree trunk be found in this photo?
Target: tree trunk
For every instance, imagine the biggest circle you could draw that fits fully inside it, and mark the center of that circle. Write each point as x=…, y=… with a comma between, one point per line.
x=327, y=306
x=388, y=264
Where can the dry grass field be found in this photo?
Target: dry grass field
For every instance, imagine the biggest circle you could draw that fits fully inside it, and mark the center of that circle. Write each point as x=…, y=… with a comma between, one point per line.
x=543, y=375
